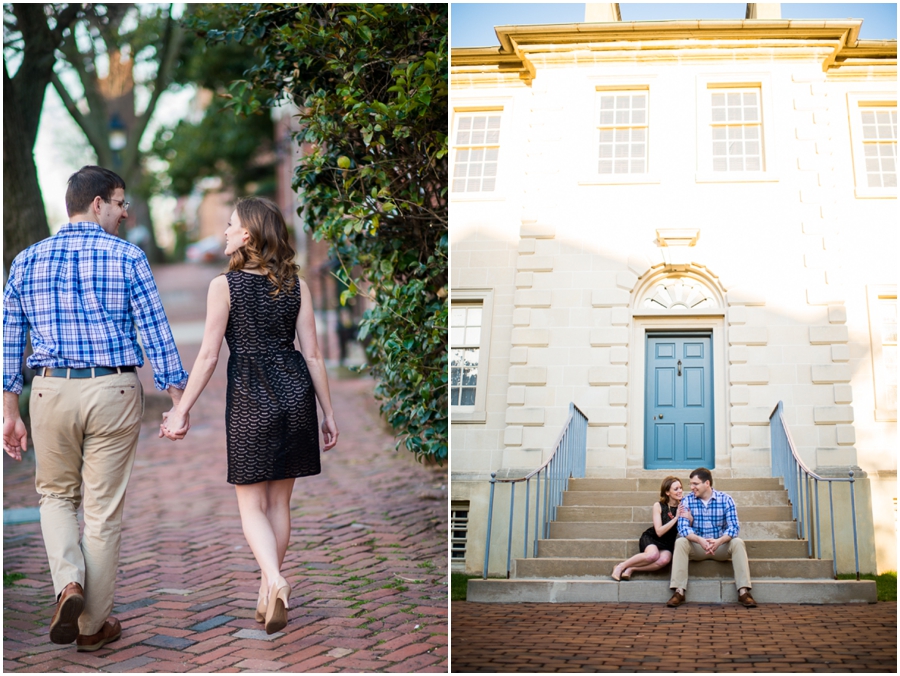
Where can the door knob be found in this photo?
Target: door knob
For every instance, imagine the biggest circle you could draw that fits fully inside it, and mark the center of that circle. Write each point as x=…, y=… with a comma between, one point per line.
x=660, y=416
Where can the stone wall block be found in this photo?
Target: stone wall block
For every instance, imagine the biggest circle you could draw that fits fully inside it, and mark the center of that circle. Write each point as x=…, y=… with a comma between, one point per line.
x=750, y=415
x=748, y=335
x=830, y=373
x=531, y=337
x=605, y=416
x=832, y=415
x=626, y=280
x=618, y=396
x=518, y=355
x=617, y=436
x=608, y=375
x=515, y=395
x=826, y=335
x=532, y=298
x=741, y=296
x=846, y=435
x=837, y=314
x=521, y=316
x=606, y=337
x=823, y=294
x=618, y=355
x=524, y=280
x=743, y=374
x=620, y=316
x=738, y=354
x=526, y=246
x=528, y=375
x=836, y=457
x=537, y=230
x=535, y=263
x=737, y=314
x=609, y=297
x=525, y=415
x=638, y=264
x=840, y=353
x=740, y=395
x=512, y=436
x=843, y=394
x=740, y=435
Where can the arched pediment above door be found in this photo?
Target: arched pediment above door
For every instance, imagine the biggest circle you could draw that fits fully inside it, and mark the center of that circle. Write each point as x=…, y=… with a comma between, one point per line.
x=678, y=292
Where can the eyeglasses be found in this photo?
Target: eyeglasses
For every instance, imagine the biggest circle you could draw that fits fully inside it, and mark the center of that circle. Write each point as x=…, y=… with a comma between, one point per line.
x=122, y=204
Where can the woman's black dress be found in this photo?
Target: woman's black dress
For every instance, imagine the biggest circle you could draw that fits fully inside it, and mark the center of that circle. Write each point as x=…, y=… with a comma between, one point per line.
x=667, y=541
x=270, y=410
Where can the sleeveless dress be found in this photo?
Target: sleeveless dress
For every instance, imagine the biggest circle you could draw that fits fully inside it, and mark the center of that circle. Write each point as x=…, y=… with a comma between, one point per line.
x=667, y=541
x=270, y=410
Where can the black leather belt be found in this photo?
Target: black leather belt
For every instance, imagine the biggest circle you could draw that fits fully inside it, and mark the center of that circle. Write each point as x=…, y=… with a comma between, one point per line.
x=94, y=372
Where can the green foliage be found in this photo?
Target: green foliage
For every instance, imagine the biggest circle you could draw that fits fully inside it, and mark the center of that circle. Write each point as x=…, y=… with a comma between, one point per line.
x=459, y=584
x=9, y=579
x=370, y=82
x=886, y=583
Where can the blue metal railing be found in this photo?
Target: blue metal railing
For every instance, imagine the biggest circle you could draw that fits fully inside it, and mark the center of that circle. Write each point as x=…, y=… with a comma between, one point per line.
x=798, y=478
x=567, y=460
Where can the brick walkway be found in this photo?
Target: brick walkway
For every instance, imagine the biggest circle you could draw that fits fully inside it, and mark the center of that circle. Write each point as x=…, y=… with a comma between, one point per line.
x=637, y=637
x=367, y=560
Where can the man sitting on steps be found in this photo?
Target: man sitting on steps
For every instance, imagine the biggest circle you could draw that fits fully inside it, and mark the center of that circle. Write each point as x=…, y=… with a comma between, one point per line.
x=713, y=535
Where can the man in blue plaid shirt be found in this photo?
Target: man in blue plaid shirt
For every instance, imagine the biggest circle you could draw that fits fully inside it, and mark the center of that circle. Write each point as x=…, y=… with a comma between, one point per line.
x=84, y=294
x=713, y=534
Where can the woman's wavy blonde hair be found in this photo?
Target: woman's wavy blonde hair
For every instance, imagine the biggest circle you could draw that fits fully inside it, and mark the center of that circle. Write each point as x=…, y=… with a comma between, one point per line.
x=268, y=247
x=666, y=485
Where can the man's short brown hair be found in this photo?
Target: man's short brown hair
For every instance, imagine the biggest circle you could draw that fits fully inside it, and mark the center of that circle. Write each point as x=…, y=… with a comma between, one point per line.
x=90, y=182
x=703, y=474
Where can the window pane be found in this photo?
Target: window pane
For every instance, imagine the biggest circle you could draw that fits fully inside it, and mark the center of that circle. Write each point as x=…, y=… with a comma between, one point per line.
x=719, y=148
x=474, y=316
x=621, y=166
x=638, y=135
x=467, y=397
x=457, y=335
x=622, y=117
x=479, y=122
x=639, y=101
x=491, y=154
x=621, y=151
x=637, y=150
x=473, y=335
x=607, y=102
x=719, y=133
x=637, y=166
x=606, y=151
x=736, y=164
x=718, y=100
x=492, y=136
x=607, y=116
x=477, y=136
x=459, y=185
x=638, y=116
x=488, y=184
x=494, y=122
x=604, y=167
x=471, y=163
x=490, y=169
x=454, y=397
x=753, y=164
x=720, y=164
x=606, y=136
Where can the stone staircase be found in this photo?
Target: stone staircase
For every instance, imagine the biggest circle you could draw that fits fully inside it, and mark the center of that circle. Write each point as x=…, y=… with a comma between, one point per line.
x=600, y=521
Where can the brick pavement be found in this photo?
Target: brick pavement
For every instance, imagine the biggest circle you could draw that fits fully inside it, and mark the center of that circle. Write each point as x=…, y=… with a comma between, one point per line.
x=639, y=637
x=367, y=560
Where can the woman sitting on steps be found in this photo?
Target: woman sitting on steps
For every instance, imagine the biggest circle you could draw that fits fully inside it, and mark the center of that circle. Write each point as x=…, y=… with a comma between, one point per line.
x=658, y=542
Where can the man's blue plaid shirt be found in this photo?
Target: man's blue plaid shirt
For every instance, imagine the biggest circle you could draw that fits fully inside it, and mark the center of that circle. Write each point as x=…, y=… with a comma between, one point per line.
x=717, y=518
x=84, y=294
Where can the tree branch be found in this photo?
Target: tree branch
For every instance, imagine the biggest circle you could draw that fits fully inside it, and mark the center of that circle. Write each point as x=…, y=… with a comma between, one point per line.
x=95, y=137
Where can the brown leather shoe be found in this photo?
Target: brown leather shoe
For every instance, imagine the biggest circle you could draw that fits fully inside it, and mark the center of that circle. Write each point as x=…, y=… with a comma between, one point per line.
x=676, y=600
x=109, y=632
x=64, y=625
x=746, y=600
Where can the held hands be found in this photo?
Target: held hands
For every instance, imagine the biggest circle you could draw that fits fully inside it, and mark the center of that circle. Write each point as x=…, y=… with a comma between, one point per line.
x=329, y=432
x=175, y=425
x=710, y=545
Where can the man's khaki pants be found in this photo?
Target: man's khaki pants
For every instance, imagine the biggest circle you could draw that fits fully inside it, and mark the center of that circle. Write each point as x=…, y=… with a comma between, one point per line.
x=85, y=431
x=686, y=550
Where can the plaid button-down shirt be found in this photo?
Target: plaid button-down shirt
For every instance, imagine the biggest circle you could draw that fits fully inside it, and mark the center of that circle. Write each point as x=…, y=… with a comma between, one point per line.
x=717, y=518
x=84, y=294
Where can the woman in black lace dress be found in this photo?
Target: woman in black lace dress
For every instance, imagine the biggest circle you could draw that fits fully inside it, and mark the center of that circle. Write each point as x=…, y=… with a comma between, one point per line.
x=259, y=306
x=658, y=542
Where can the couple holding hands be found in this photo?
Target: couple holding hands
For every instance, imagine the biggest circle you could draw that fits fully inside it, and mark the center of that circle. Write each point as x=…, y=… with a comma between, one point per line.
x=702, y=525
x=84, y=293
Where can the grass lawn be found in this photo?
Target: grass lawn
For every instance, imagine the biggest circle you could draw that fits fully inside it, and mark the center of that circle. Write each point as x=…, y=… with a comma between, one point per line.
x=886, y=582
x=458, y=582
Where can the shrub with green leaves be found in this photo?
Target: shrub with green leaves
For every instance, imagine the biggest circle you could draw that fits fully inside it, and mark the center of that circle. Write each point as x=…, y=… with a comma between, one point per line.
x=370, y=82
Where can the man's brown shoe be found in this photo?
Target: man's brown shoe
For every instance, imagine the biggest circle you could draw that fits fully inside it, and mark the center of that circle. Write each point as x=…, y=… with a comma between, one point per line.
x=109, y=632
x=64, y=625
x=746, y=600
x=676, y=600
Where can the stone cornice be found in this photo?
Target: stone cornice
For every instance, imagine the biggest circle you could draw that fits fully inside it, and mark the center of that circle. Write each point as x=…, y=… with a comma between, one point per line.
x=835, y=42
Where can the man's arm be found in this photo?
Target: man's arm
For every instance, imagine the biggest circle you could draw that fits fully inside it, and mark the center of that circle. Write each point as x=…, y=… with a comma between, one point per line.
x=15, y=326
x=150, y=317
x=685, y=529
x=732, y=525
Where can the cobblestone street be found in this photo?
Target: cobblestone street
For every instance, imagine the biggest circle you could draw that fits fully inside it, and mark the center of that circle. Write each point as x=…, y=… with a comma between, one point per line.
x=367, y=560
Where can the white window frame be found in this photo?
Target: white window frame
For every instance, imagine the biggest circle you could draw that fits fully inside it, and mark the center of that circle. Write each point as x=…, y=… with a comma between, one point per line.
x=485, y=297
x=874, y=293
x=707, y=85
x=856, y=101
x=589, y=174
x=464, y=106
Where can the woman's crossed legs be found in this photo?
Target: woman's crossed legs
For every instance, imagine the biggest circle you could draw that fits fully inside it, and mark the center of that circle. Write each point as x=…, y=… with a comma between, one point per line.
x=648, y=560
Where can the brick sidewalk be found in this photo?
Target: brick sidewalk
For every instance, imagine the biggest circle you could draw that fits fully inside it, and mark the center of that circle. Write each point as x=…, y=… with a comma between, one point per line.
x=367, y=560
x=638, y=637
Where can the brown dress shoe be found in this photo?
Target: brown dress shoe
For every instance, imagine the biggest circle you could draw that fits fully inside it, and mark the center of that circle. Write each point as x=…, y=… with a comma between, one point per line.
x=676, y=600
x=109, y=632
x=746, y=600
x=64, y=625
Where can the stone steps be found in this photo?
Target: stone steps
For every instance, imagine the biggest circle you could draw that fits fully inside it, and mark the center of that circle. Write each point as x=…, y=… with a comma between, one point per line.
x=651, y=484
x=644, y=515
x=807, y=569
x=617, y=530
x=626, y=548
x=647, y=498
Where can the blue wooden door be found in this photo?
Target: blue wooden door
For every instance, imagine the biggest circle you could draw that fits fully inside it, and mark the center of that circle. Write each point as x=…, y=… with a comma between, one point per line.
x=678, y=432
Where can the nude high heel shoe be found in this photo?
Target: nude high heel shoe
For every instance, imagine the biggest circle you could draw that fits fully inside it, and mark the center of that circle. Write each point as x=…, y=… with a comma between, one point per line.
x=276, y=613
x=261, y=607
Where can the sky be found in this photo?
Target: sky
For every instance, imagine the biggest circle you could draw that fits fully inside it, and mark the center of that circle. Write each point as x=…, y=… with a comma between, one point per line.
x=472, y=24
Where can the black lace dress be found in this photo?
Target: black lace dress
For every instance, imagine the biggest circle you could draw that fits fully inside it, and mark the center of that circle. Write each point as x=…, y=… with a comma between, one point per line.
x=667, y=541
x=270, y=410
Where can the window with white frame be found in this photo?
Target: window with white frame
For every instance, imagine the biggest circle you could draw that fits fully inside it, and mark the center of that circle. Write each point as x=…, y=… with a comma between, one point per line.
x=883, y=334
x=465, y=343
x=476, y=144
x=736, y=122
x=459, y=533
x=879, y=141
x=622, y=132
x=469, y=342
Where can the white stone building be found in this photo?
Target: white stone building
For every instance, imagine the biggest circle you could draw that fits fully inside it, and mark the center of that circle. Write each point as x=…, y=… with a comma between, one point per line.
x=727, y=184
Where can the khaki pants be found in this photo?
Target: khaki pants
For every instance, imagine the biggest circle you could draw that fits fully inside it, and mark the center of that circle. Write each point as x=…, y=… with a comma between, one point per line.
x=85, y=432
x=686, y=550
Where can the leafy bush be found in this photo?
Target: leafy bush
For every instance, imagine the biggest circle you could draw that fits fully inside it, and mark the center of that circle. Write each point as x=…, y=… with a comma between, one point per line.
x=370, y=82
